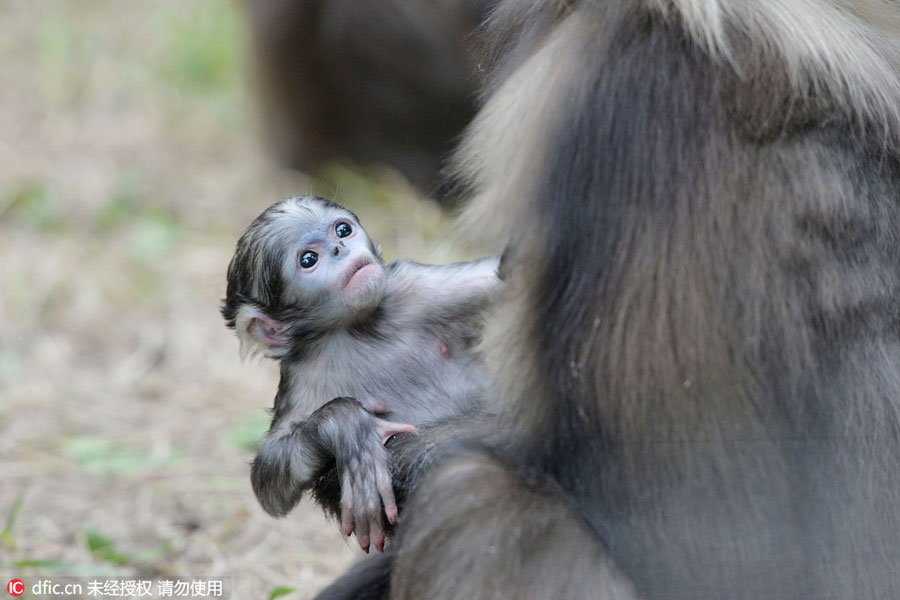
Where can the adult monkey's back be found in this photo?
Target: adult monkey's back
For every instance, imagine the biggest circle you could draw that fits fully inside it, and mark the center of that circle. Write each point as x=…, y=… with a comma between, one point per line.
x=699, y=349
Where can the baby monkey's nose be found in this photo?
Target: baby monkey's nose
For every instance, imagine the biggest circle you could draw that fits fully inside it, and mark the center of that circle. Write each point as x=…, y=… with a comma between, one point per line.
x=336, y=250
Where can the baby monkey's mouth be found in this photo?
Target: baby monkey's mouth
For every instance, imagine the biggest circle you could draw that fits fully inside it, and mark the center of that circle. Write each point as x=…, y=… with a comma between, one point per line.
x=358, y=265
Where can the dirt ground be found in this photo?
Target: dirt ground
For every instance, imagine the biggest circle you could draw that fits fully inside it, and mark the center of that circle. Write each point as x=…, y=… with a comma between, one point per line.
x=129, y=165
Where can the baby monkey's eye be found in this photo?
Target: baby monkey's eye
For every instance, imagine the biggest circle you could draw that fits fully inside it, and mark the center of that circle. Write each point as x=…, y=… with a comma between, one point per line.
x=343, y=229
x=308, y=259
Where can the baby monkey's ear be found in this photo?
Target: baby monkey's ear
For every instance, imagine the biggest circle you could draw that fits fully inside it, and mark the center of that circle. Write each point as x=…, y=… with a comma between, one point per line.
x=260, y=334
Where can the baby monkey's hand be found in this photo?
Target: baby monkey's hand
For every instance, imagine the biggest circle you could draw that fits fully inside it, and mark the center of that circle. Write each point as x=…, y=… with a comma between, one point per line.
x=356, y=438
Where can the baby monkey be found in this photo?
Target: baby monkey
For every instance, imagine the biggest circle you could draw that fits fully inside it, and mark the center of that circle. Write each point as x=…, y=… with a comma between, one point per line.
x=355, y=338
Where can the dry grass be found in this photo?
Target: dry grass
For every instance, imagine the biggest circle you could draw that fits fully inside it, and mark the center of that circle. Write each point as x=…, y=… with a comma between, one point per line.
x=129, y=165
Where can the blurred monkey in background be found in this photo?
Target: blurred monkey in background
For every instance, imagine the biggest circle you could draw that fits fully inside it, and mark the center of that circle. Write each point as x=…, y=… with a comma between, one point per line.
x=392, y=81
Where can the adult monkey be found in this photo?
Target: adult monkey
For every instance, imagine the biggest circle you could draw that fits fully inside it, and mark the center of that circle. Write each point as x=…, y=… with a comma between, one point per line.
x=699, y=352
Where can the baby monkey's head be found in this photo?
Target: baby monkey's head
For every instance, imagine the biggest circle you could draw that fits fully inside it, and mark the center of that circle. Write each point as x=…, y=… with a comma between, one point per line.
x=304, y=267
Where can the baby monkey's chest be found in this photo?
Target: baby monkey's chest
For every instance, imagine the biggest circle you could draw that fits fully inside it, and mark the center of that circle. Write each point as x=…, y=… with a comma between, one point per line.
x=419, y=369
x=420, y=360
x=416, y=360
x=417, y=378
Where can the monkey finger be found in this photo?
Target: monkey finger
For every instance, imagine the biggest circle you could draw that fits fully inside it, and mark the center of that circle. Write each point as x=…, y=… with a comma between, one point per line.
x=347, y=520
x=388, y=429
x=386, y=490
x=362, y=530
x=376, y=529
x=347, y=516
x=377, y=537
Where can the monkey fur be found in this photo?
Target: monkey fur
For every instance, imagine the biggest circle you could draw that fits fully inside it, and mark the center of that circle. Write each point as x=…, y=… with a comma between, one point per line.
x=354, y=337
x=697, y=350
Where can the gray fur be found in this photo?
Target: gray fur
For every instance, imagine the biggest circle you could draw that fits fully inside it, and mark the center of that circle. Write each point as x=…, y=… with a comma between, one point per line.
x=403, y=343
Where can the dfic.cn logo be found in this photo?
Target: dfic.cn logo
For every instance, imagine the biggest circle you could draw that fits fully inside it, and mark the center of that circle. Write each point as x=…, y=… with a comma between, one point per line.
x=15, y=587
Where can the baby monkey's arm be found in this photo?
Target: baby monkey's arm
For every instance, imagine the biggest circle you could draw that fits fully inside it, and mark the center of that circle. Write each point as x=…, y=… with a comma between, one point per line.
x=296, y=451
x=454, y=289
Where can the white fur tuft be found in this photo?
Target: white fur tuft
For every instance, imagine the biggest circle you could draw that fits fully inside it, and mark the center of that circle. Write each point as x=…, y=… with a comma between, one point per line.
x=250, y=345
x=847, y=49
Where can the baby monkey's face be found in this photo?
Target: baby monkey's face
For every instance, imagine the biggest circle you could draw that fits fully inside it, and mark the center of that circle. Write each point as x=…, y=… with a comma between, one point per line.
x=334, y=260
